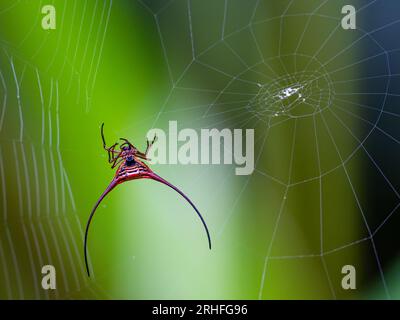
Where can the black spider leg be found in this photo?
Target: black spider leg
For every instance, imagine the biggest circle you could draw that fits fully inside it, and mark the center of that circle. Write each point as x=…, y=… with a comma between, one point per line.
x=149, y=145
x=126, y=141
x=112, y=154
x=117, y=162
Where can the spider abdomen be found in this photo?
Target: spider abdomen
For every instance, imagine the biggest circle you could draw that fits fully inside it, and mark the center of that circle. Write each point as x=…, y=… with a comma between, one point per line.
x=130, y=161
x=136, y=170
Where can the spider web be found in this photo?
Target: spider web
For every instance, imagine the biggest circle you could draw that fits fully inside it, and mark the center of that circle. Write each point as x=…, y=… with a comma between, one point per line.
x=321, y=100
x=40, y=225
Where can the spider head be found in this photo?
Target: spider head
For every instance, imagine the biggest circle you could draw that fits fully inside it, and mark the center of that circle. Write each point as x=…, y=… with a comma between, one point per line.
x=127, y=147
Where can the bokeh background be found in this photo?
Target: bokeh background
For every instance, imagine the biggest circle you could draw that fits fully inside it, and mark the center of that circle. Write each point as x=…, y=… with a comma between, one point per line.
x=324, y=192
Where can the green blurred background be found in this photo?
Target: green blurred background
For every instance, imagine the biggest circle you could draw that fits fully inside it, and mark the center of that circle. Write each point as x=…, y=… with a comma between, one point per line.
x=322, y=196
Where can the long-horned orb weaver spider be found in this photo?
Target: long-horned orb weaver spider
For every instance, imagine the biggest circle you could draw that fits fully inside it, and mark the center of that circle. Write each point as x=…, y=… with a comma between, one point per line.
x=131, y=167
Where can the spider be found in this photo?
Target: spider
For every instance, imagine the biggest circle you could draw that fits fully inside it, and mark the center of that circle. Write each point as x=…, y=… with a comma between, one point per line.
x=130, y=167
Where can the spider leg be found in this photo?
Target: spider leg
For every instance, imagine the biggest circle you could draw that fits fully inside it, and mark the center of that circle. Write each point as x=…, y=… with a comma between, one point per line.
x=149, y=145
x=117, y=162
x=126, y=141
x=102, y=136
x=141, y=155
x=112, y=154
x=109, y=149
